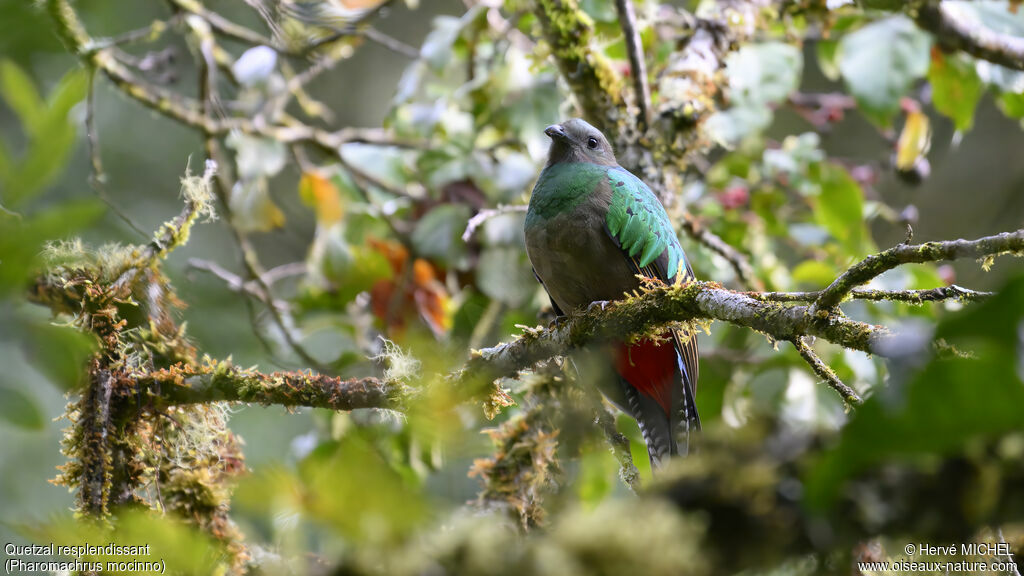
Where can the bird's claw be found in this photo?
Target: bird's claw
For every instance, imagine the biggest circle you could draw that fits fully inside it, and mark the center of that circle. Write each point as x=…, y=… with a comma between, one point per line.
x=557, y=322
x=597, y=303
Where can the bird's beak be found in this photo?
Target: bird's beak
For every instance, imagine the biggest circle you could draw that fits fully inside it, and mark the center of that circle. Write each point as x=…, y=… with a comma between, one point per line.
x=556, y=132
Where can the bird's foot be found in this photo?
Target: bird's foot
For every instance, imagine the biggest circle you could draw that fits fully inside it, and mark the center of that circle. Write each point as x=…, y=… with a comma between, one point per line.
x=558, y=322
x=602, y=304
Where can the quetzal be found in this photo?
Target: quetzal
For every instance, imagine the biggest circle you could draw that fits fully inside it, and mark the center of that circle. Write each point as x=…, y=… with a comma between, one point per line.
x=591, y=228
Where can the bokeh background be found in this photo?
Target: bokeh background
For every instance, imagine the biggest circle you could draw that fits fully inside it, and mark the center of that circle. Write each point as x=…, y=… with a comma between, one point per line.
x=974, y=189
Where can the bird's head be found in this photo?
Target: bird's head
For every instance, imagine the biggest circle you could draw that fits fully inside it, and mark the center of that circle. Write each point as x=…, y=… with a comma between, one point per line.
x=577, y=141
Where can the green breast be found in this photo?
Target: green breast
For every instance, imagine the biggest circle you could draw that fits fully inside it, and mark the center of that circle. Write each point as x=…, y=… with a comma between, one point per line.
x=561, y=188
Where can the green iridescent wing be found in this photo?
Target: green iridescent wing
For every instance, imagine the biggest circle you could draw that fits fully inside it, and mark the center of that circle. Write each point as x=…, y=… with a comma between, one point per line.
x=638, y=222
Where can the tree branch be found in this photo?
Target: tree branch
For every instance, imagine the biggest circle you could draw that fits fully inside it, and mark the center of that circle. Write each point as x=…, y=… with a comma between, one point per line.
x=953, y=292
x=658, y=305
x=874, y=265
x=638, y=68
x=221, y=382
x=570, y=32
x=737, y=260
x=959, y=34
x=189, y=111
x=825, y=372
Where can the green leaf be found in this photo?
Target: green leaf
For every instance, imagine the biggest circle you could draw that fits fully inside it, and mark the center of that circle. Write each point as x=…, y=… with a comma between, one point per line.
x=759, y=75
x=439, y=233
x=257, y=157
x=504, y=274
x=840, y=208
x=21, y=240
x=813, y=274
x=880, y=62
x=20, y=409
x=252, y=208
x=60, y=352
x=956, y=89
x=764, y=73
x=437, y=48
x=51, y=133
x=947, y=405
x=19, y=92
x=826, y=51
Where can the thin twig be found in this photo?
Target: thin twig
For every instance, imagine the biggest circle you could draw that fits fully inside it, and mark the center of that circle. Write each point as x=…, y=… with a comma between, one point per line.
x=825, y=372
x=208, y=94
x=391, y=43
x=484, y=215
x=638, y=68
x=97, y=177
x=739, y=263
x=619, y=445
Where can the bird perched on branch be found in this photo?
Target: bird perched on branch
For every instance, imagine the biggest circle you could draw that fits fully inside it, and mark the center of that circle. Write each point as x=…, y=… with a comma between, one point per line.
x=592, y=229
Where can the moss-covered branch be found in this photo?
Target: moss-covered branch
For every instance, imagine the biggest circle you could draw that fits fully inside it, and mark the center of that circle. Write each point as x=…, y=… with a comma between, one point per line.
x=222, y=382
x=940, y=294
x=658, y=305
x=188, y=111
x=826, y=373
x=873, y=266
x=594, y=83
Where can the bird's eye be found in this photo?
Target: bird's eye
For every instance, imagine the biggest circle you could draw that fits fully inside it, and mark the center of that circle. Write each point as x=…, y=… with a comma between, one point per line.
x=592, y=143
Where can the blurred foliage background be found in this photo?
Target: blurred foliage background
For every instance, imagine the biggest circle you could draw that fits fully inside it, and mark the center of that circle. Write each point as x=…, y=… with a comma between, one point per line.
x=812, y=158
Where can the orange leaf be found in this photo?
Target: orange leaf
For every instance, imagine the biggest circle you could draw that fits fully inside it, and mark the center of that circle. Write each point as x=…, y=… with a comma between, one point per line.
x=323, y=196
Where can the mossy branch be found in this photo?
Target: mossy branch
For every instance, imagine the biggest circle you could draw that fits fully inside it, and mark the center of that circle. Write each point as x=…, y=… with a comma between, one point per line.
x=189, y=111
x=874, y=265
x=593, y=81
x=222, y=382
x=659, y=305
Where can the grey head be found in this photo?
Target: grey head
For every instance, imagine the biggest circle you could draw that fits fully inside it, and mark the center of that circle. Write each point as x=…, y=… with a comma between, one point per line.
x=577, y=141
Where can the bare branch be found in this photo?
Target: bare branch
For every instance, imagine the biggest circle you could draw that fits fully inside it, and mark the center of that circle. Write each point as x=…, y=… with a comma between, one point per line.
x=484, y=215
x=739, y=262
x=825, y=372
x=958, y=33
x=638, y=68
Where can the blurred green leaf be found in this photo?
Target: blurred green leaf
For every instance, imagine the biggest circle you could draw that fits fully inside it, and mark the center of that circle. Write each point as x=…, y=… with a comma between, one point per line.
x=504, y=274
x=252, y=208
x=182, y=548
x=764, y=73
x=50, y=131
x=21, y=239
x=257, y=157
x=813, y=274
x=840, y=208
x=826, y=51
x=759, y=75
x=20, y=409
x=439, y=233
x=956, y=88
x=60, y=352
x=19, y=92
x=880, y=62
x=347, y=485
x=946, y=405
